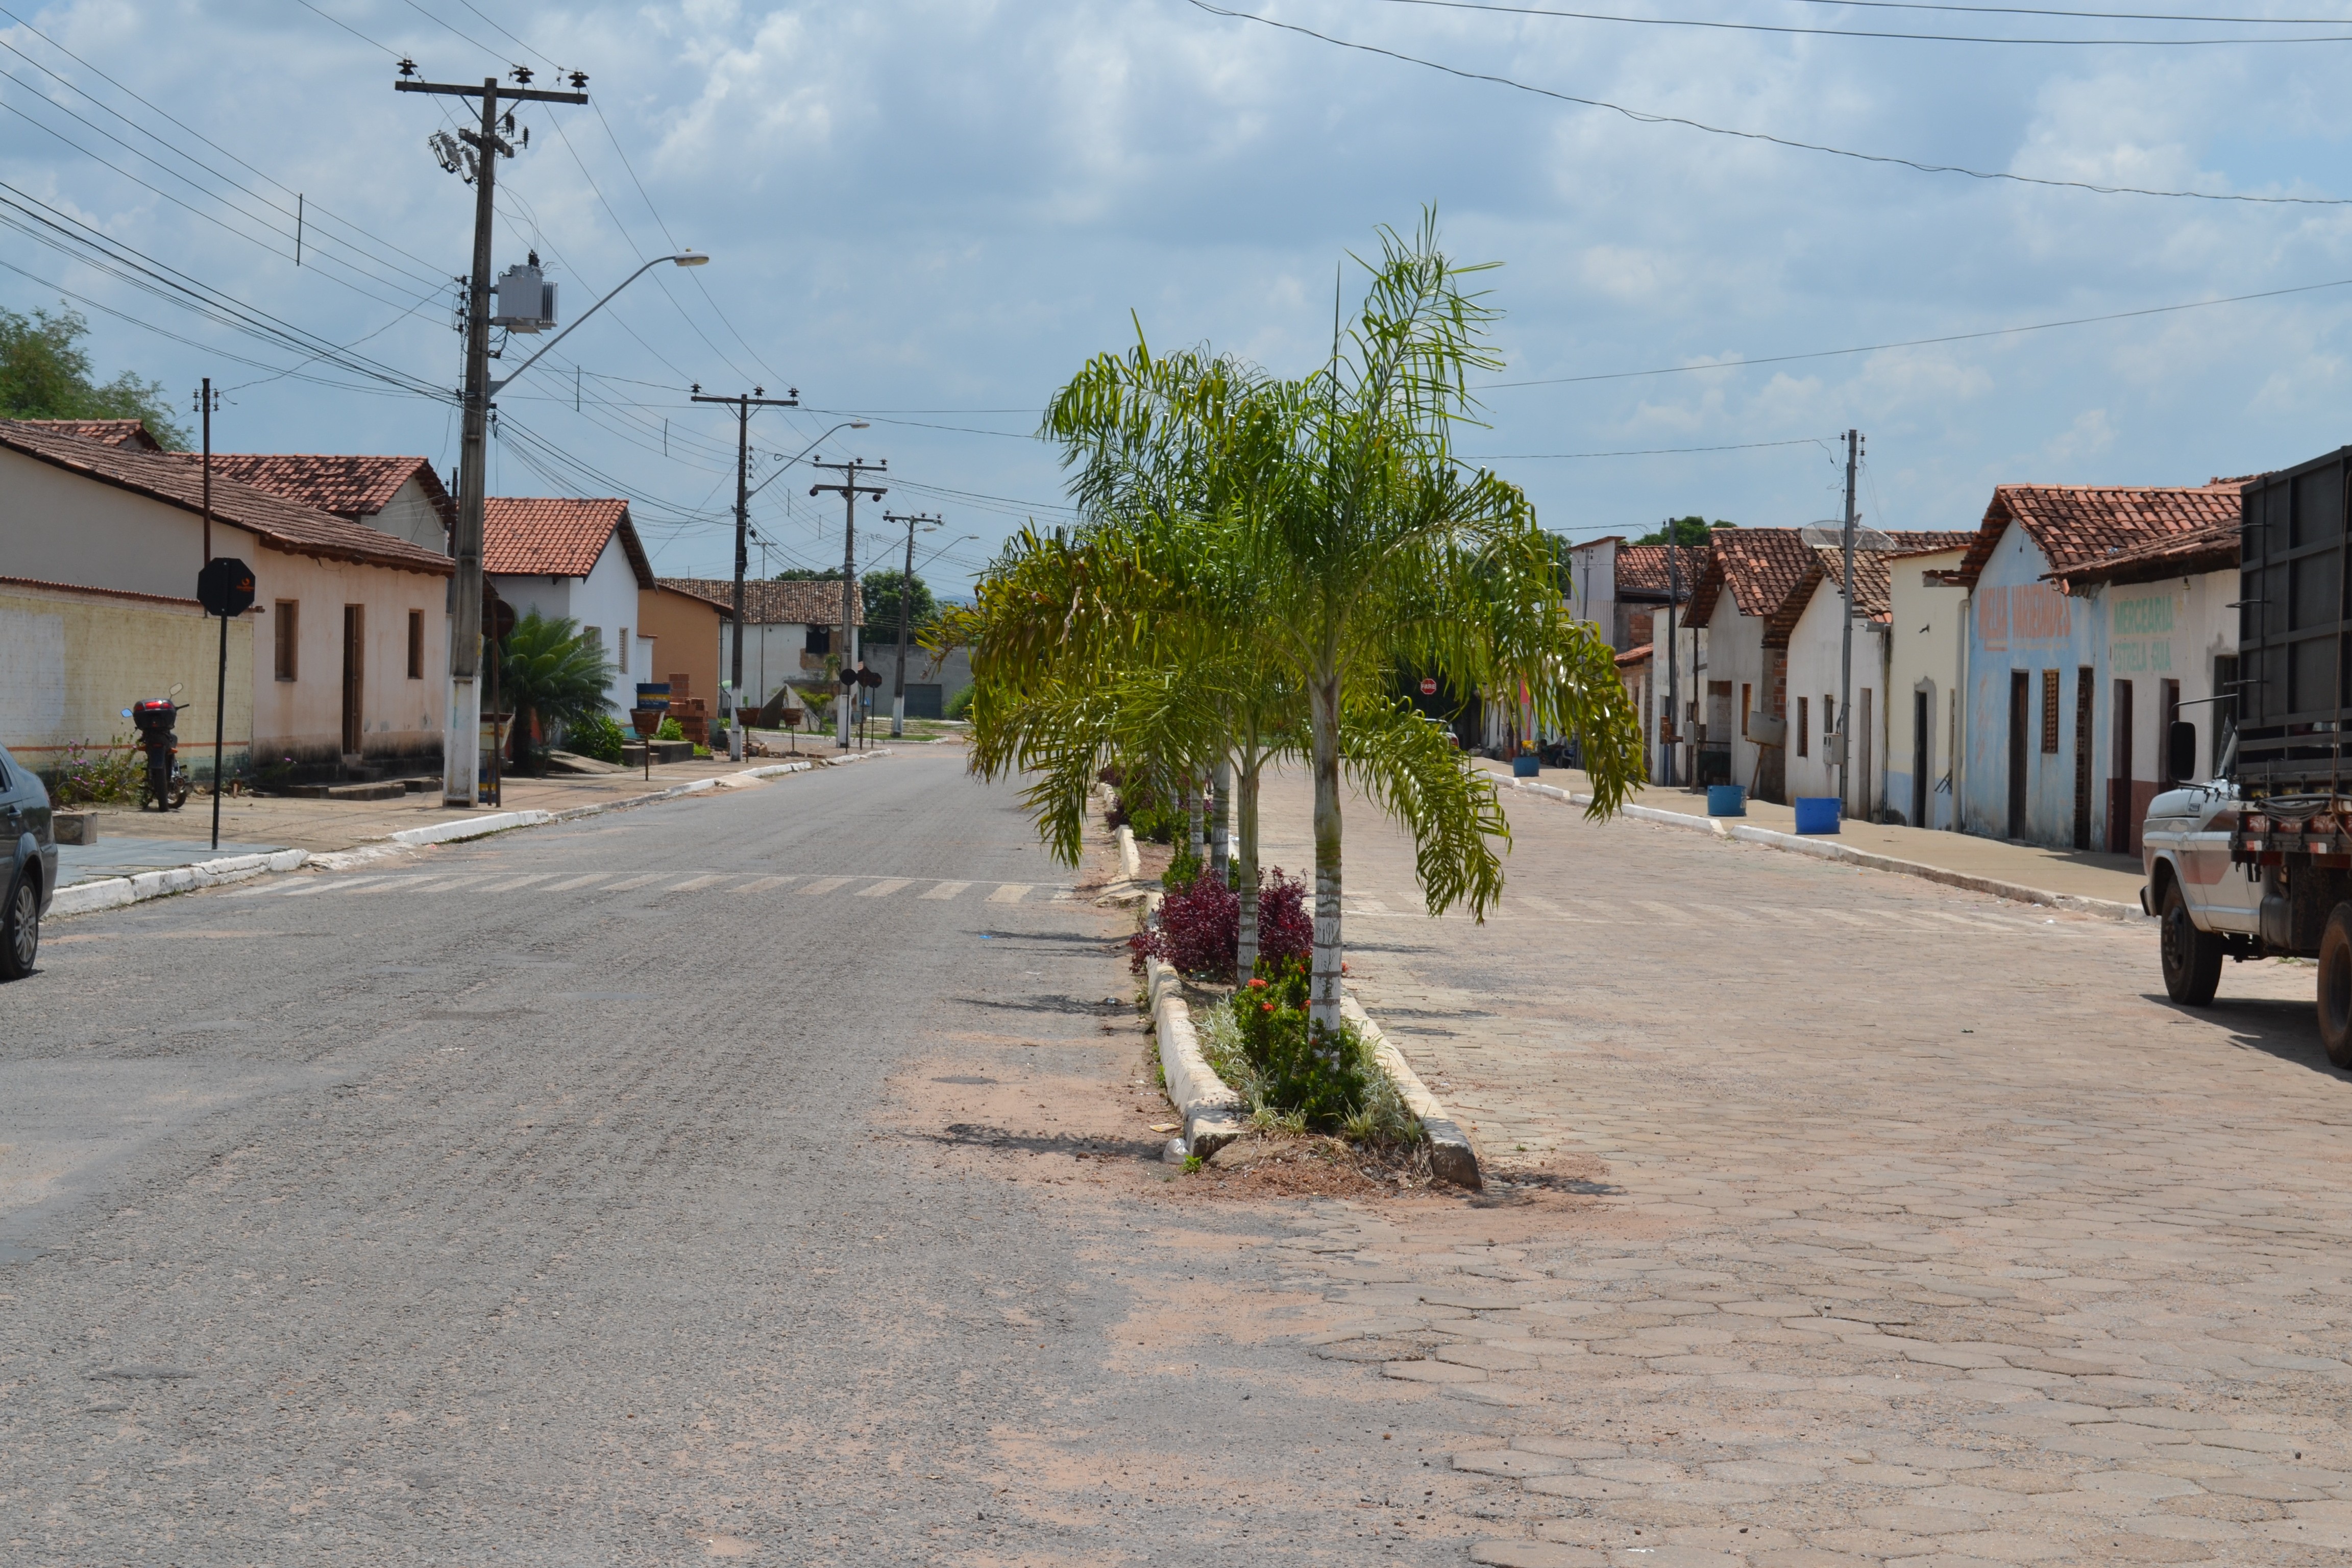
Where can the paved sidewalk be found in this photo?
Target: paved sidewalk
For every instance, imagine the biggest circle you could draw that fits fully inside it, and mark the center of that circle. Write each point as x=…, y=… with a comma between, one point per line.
x=2083, y=874
x=1922, y=1229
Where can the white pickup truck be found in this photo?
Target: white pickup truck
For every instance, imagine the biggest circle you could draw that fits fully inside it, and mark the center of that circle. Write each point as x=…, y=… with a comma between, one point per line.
x=2238, y=879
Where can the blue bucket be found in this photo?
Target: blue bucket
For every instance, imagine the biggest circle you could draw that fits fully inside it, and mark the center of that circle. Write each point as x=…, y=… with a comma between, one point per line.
x=1525, y=765
x=1726, y=800
x=1817, y=814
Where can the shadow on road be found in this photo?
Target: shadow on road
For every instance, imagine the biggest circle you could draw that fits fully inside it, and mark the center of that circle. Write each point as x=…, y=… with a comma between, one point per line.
x=972, y=1135
x=2276, y=1026
x=1099, y=1007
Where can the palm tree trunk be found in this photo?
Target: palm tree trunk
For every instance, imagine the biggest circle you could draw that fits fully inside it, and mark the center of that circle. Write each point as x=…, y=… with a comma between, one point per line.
x=1221, y=838
x=1193, y=840
x=1323, y=997
x=1246, y=961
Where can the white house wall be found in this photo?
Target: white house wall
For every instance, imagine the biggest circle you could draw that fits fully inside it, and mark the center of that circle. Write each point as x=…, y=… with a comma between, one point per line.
x=1815, y=660
x=605, y=599
x=411, y=515
x=1734, y=652
x=1924, y=659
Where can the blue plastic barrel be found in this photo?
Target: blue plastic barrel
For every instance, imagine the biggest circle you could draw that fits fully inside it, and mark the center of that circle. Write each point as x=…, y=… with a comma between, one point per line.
x=1525, y=765
x=1817, y=814
x=1726, y=800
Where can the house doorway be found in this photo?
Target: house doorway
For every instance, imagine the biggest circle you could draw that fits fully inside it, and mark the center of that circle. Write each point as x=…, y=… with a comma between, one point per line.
x=1923, y=713
x=2085, y=691
x=1863, y=803
x=2119, y=784
x=2021, y=697
x=355, y=648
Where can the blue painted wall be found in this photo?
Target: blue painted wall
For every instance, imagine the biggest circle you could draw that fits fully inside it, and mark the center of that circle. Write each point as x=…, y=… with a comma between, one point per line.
x=2017, y=621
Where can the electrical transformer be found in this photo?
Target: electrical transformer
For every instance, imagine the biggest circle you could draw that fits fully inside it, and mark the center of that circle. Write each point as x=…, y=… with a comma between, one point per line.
x=526, y=301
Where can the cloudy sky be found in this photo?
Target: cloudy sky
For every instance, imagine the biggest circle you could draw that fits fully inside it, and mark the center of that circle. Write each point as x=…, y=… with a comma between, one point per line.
x=927, y=214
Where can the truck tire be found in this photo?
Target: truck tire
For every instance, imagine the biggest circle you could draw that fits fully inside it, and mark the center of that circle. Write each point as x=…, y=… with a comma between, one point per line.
x=2193, y=958
x=2335, y=986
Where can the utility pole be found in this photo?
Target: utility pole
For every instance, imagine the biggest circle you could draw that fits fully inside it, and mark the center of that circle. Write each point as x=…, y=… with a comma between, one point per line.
x=207, y=404
x=1845, y=650
x=1673, y=670
x=906, y=612
x=743, y=405
x=849, y=490
x=461, y=733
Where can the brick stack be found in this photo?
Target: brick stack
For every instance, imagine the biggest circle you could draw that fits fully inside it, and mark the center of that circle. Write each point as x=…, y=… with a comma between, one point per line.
x=693, y=715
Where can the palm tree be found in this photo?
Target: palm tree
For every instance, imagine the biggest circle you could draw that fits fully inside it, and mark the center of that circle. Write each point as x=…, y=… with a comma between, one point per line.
x=1368, y=548
x=547, y=669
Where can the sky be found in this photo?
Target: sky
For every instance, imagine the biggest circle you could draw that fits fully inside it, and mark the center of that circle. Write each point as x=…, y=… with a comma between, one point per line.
x=928, y=215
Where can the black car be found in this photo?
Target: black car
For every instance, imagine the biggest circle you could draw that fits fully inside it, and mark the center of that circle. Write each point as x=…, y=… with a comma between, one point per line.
x=29, y=873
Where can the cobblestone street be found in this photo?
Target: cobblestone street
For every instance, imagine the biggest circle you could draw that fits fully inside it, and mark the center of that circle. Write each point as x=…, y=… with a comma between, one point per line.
x=1929, y=1232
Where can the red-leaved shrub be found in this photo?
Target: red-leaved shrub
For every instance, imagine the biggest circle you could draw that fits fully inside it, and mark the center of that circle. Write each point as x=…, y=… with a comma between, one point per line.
x=1200, y=925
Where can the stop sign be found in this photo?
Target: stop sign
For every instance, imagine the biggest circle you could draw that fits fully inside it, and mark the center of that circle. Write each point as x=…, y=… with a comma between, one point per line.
x=1428, y=686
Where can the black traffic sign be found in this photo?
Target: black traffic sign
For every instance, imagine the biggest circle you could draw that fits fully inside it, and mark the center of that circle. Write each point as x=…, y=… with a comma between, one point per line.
x=225, y=587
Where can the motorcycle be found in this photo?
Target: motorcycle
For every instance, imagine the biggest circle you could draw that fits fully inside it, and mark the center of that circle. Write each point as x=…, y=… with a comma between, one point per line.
x=164, y=783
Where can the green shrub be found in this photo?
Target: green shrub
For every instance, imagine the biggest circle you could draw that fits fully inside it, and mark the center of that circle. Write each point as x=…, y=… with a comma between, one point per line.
x=595, y=735
x=669, y=731
x=112, y=775
x=1296, y=1074
x=960, y=705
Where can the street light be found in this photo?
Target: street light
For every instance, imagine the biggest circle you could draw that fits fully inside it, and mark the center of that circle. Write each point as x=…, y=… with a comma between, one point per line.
x=683, y=259
x=804, y=451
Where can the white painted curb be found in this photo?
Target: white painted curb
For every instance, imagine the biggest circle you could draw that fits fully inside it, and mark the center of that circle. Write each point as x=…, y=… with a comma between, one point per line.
x=1452, y=1156
x=85, y=898
x=472, y=827
x=1130, y=859
x=1214, y=1114
x=1829, y=849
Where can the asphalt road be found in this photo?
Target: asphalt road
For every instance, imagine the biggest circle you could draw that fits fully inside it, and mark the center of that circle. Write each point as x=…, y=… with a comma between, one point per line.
x=602, y=1193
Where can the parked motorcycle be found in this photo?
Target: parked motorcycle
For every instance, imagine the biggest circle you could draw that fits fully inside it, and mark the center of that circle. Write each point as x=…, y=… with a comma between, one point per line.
x=165, y=783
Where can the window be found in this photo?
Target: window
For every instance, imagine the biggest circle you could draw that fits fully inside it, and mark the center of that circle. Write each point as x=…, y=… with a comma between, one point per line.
x=2225, y=711
x=1747, y=696
x=1805, y=726
x=593, y=637
x=820, y=639
x=290, y=617
x=625, y=650
x=2049, y=712
x=2168, y=701
x=415, y=645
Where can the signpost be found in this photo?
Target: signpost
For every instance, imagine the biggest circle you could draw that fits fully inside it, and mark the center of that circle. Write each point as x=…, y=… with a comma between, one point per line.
x=225, y=588
x=1428, y=686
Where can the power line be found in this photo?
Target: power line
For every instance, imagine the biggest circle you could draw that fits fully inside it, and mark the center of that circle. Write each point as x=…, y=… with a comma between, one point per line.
x=2094, y=15
x=1856, y=32
x=1923, y=343
x=1644, y=117
x=1645, y=452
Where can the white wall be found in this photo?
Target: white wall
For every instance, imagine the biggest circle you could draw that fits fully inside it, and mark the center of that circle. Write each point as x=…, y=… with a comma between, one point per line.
x=1815, y=659
x=1734, y=652
x=605, y=599
x=1592, y=586
x=2172, y=629
x=1924, y=656
x=411, y=515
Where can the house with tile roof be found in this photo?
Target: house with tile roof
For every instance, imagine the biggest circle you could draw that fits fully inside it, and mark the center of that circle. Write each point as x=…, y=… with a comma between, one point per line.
x=2089, y=627
x=399, y=496
x=130, y=432
x=1751, y=574
x=1926, y=620
x=1810, y=623
x=350, y=652
x=579, y=560
x=790, y=630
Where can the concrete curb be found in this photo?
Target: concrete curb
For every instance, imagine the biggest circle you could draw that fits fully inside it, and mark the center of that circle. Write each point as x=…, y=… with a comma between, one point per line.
x=1827, y=849
x=1214, y=1114
x=1452, y=1156
x=87, y=898
x=1130, y=859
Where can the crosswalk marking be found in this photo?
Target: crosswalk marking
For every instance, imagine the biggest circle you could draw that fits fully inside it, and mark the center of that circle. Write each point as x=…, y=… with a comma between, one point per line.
x=624, y=885
x=1010, y=893
x=566, y=886
x=1865, y=921
x=1543, y=906
x=1666, y=913
x=884, y=888
x=693, y=882
x=764, y=883
x=513, y=882
x=825, y=885
x=947, y=889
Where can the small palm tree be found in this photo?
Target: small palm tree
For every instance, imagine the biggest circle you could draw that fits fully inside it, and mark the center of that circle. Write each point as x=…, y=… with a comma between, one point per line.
x=549, y=670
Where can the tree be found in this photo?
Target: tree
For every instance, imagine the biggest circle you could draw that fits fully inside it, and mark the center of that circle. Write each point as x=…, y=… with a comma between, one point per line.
x=547, y=669
x=882, y=604
x=1685, y=530
x=808, y=575
x=1367, y=547
x=44, y=373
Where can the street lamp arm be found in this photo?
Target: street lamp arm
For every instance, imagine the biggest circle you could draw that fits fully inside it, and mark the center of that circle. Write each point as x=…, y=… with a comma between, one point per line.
x=804, y=451
x=686, y=258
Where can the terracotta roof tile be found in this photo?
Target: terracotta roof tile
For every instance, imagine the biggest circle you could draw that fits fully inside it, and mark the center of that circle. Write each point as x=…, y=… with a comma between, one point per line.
x=1874, y=579
x=2213, y=548
x=278, y=523
x=1633, y=656
x=2075, y=525
x=1760, y=567
x=130, y=432
x=1644, y=567
x=802, y=602
x=351, y=487
x=556, y=536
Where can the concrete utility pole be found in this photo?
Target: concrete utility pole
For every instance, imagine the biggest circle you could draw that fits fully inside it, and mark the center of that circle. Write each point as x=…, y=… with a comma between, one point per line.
x=1673, y=665
x=1845, y=650
x=461, y=733
x=906, y=614
x=743, y=405
x=849, y=490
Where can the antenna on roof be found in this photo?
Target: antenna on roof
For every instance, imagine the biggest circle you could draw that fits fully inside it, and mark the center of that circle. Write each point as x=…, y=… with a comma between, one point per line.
x=1832, y=536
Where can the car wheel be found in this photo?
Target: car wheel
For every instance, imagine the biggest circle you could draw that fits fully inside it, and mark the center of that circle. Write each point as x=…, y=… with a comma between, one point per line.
x=20, y=927
x=2193, y=958
x=2335, y=986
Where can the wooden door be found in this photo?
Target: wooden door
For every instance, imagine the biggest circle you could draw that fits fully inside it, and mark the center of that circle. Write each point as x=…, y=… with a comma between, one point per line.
x=1922, y=711
x=2021, y=697
x=354, y=651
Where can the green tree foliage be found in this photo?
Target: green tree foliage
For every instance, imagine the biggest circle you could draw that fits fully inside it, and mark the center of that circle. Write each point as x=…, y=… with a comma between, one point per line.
x=808, y=575
x=44, y=373
x=546, y=668
x=1685, y=530
x=881, y=589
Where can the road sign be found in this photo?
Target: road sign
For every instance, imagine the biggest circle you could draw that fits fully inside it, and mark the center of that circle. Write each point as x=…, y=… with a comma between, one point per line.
x=225, y=587
x=1428, y=686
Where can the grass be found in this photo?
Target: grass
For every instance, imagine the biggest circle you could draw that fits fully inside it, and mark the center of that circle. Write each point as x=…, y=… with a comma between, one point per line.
x=1383, y=1119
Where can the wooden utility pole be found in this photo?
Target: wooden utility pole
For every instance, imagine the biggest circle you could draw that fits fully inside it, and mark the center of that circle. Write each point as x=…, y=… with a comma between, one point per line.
x=742, y=404
x=849, y=490
x=1845, y=650
x=461, y=731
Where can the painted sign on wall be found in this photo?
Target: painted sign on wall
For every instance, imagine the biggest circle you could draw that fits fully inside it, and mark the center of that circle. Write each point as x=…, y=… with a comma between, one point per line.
x=2018, y=614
